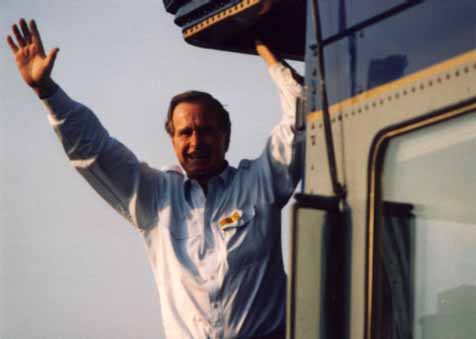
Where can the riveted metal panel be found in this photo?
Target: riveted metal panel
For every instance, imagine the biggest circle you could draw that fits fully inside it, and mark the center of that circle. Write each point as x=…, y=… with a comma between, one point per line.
x=356, y=121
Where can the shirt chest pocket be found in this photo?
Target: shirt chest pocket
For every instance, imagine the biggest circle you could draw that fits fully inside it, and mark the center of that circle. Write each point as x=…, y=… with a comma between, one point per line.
x=243, y=237
x=230, y=222
x=185, y=228
x=186, y=237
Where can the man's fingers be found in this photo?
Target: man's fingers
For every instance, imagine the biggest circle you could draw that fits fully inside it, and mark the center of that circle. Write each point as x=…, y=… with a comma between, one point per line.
x=36, y=38
x=12, y=44
x=18, y=36
x=25, y=31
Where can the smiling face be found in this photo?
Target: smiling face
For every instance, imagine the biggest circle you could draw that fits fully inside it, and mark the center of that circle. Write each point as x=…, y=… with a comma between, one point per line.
x=198, y=140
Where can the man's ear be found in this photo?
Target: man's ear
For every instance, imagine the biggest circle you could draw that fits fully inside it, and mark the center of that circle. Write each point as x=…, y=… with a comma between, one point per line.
x=171, y=138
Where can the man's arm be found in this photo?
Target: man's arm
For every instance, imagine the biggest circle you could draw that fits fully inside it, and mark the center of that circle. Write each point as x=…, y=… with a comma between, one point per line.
x=278, y=170
x=114, y=172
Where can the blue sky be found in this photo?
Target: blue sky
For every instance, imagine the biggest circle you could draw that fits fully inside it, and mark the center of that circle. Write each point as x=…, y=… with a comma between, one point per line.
x=71, y=267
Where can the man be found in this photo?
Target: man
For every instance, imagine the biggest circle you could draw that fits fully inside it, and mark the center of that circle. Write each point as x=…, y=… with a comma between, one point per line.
x=212, y=231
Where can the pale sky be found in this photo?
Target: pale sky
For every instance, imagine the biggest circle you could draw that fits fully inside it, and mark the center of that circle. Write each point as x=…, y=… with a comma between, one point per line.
x=70, y=266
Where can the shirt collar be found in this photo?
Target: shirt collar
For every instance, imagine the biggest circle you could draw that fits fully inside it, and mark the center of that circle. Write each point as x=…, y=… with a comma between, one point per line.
x=225, y=175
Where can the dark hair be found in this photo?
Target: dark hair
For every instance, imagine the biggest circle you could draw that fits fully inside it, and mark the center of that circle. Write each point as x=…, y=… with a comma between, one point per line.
x=209, y=101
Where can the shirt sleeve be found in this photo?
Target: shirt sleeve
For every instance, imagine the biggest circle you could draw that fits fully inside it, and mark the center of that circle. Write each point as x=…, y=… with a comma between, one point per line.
x=112, y=169
x=278, y=169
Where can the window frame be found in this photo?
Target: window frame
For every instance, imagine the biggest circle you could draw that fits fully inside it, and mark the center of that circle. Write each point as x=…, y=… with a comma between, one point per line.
x=375, y=203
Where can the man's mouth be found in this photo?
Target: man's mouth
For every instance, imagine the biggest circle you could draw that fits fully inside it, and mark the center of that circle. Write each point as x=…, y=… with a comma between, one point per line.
x=198, y=156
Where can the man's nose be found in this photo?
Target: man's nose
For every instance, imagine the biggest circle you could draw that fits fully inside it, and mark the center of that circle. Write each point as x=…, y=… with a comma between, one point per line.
x=196, y=140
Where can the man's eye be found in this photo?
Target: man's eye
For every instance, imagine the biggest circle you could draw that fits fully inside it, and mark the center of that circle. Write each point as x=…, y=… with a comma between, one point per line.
x=206, y=130
x=185, y=132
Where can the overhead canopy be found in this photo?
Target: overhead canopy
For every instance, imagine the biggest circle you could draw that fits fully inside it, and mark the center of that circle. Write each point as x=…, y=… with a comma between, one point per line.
x=234, y=25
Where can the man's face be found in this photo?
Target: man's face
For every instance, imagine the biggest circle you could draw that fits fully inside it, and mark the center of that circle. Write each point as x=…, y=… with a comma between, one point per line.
x=198, y=140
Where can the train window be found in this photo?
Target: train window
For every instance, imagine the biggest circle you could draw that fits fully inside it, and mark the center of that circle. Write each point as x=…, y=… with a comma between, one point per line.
x=423, y=276
x=338, y=15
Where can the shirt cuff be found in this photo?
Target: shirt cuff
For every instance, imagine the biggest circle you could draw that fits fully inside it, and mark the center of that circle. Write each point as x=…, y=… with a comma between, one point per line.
x=284, y=80
x=59, y=104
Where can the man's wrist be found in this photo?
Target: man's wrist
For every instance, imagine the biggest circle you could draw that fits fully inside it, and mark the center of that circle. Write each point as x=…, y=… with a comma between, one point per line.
x=46, y=89
x=266, y=54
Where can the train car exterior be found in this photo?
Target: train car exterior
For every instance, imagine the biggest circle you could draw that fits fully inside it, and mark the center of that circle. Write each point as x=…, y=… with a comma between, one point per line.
x=383, y=235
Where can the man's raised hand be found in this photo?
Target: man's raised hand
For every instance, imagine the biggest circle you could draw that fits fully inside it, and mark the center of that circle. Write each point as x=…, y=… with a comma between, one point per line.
x=33, y=64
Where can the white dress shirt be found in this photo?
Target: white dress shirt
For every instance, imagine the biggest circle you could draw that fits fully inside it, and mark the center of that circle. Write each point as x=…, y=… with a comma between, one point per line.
x=216, y=258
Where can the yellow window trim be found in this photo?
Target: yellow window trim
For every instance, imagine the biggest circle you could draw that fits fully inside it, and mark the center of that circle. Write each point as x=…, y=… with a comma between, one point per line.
x=394, y=85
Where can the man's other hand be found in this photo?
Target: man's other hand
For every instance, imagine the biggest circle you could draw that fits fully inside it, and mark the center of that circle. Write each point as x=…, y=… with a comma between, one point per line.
x=33, y=64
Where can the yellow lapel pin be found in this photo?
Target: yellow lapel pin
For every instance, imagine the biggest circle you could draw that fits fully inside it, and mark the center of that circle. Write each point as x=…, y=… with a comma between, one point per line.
x=231, y=219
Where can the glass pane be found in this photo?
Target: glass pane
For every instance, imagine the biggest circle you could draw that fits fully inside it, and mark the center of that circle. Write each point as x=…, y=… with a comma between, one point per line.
x=393, y=48
x=342, y=14
x=307, y=265
x=427, y=257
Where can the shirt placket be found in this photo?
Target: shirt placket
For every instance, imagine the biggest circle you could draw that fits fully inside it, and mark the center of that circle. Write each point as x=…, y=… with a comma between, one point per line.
x=215, y=297
x=216, y=317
